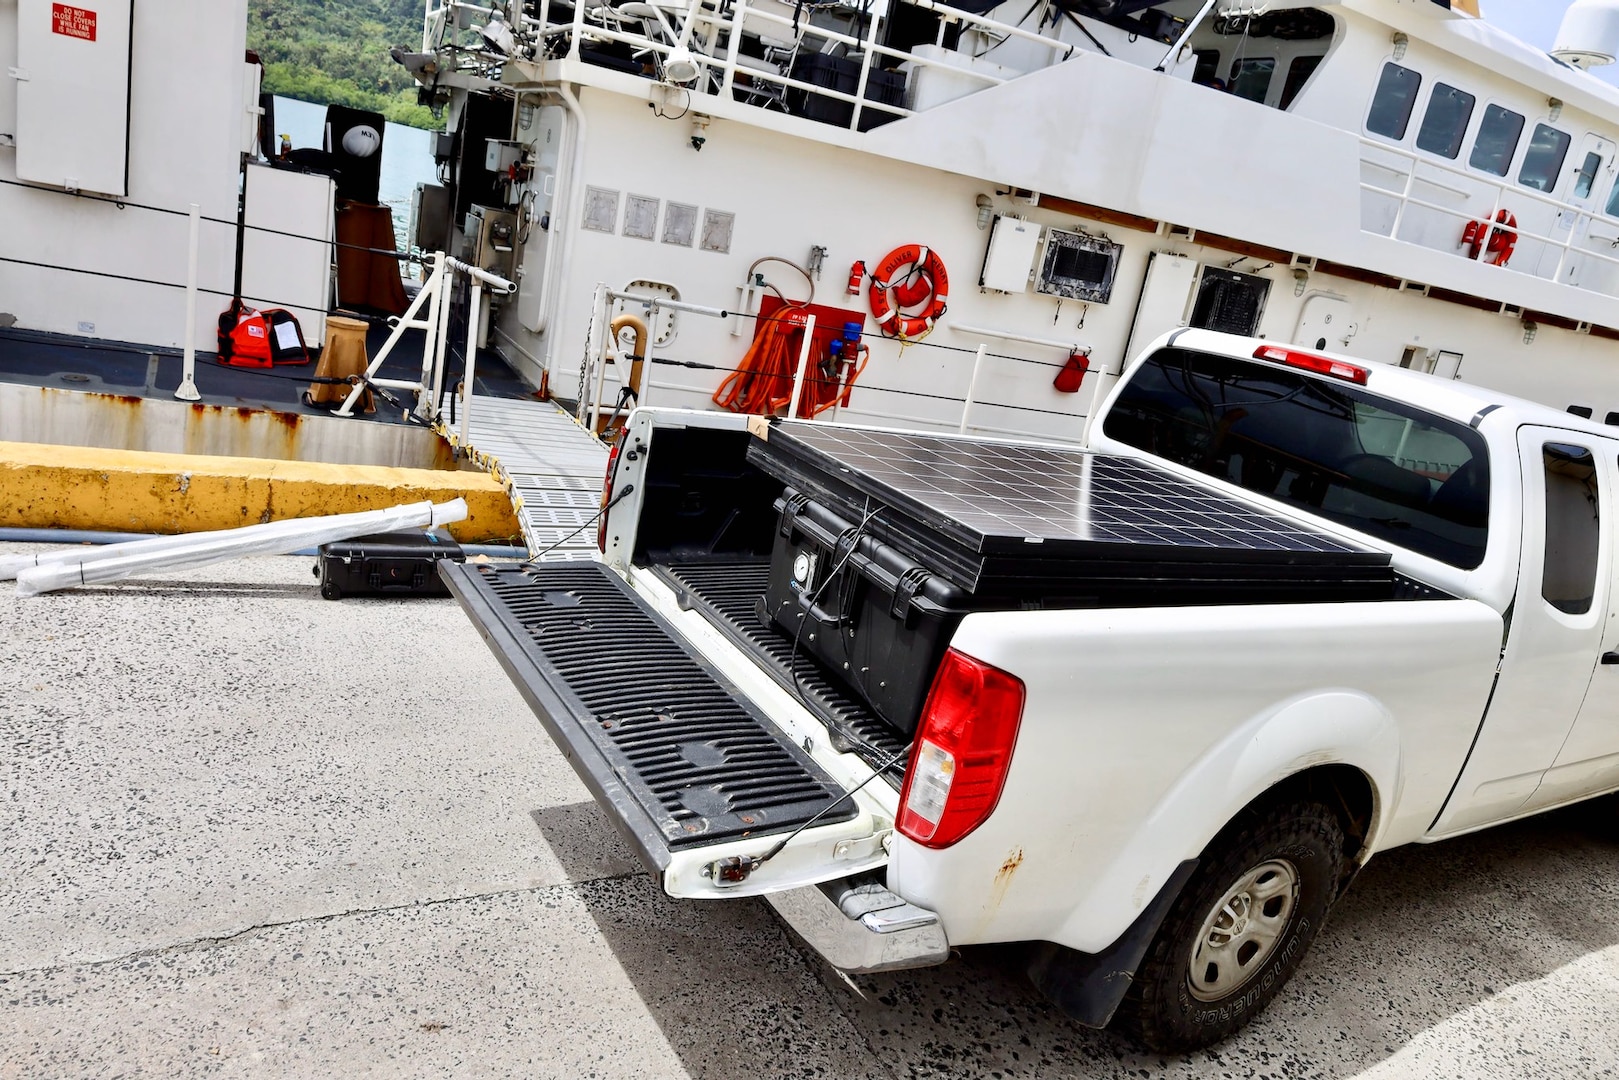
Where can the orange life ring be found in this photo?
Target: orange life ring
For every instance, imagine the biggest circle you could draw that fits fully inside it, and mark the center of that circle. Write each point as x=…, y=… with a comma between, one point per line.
x=909, y=277
x=1497, y=243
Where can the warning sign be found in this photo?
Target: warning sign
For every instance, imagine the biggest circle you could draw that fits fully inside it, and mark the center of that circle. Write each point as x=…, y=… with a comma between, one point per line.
x=75, y=22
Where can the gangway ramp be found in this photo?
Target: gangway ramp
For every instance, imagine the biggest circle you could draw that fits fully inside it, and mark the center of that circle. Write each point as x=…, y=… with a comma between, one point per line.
x=552, y=465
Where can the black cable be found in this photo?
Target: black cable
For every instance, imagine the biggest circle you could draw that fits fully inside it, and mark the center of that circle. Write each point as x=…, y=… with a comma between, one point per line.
x=597, y=516
x=125, y=204
x=148, y=281
x=876, y=772
x=812, y=601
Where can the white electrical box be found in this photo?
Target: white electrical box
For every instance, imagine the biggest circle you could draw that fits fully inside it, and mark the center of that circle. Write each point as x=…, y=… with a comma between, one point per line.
x=287, y=248
x=500, y=155
x=73, y=94
x=1164, y=296
x=1013, y=244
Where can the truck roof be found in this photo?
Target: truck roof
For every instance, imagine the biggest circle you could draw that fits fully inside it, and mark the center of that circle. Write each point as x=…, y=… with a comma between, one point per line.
x=1460, y=401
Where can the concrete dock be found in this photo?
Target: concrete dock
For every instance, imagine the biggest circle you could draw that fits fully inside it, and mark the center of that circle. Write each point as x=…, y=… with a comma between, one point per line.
x=248, y=832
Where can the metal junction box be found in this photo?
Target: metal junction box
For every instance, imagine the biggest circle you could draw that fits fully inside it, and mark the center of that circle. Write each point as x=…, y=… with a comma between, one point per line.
x=1009, y=261
x=491, y=239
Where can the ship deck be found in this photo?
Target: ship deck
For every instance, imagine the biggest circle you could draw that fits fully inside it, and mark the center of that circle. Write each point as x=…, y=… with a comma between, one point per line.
x=551, y=465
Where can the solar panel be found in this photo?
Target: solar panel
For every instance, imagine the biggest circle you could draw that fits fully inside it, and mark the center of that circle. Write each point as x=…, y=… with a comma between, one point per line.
x=1042, y=501
x=893, y=538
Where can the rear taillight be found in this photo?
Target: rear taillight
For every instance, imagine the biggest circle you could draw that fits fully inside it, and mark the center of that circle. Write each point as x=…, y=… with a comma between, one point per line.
x=1321, y=365
x=607, y=499
x=963, y=749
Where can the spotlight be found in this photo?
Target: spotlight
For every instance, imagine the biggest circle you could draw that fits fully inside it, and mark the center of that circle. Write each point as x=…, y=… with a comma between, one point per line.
x=680, y=66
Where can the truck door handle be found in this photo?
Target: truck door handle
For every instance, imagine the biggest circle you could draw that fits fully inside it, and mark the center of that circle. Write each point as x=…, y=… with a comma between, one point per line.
x=1611, y=656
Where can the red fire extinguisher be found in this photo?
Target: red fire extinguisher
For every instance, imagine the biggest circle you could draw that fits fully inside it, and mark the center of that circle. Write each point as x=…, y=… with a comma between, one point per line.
x=857, y=277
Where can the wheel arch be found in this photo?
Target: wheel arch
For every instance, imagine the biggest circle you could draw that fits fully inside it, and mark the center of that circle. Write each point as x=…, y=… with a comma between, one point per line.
x=1341, y=745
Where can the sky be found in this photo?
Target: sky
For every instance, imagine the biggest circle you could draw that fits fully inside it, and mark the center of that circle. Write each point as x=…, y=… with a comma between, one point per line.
x=1536, y=22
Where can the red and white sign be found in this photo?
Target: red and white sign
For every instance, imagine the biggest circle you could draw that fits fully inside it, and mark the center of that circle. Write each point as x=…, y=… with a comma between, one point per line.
x=74, y=22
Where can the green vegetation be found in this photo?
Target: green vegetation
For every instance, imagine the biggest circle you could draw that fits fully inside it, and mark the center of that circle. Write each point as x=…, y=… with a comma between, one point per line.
x=336, y=52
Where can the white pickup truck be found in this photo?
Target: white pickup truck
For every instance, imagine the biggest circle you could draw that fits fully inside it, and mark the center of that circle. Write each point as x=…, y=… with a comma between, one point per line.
x=1146, y=706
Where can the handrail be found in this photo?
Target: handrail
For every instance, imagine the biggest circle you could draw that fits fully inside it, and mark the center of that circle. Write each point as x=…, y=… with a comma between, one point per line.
x=721, y=64
x=1503, y=191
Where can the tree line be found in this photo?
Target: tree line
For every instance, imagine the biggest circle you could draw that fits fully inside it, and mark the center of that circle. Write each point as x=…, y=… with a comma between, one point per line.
x=336, y=52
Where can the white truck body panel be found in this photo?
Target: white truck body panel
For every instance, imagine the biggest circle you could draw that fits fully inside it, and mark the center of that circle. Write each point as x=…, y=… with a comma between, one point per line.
x=1147, y=778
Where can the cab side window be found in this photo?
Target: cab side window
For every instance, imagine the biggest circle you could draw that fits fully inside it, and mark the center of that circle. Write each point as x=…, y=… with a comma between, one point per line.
x=1573, y=528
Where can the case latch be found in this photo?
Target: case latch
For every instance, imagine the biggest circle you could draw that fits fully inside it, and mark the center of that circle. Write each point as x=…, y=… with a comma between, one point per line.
x=794, y=506
x=905, y=589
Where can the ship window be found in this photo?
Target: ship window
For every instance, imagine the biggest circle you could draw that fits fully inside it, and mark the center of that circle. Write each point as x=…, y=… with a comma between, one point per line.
x=1587, y=175
x=1497, y=140
x=1544, y=161
x=1250, y=78
x=1298, y=73
x=1208, y=66
x=1392, y=104
x=1613, y=200
x=1445, y=122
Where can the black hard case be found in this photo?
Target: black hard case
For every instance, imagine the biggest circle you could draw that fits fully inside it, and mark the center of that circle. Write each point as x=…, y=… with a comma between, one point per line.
x=401, y=563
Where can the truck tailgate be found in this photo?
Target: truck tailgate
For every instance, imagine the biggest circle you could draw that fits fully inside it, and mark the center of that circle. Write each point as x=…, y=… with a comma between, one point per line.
x=686, y=766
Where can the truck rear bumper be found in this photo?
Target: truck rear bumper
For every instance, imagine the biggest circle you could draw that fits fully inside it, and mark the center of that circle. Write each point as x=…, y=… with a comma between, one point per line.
x=857, y=926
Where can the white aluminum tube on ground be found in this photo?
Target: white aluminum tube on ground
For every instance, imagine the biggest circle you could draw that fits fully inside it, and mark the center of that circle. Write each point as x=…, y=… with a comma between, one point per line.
x=205, y=549
x=12, y=565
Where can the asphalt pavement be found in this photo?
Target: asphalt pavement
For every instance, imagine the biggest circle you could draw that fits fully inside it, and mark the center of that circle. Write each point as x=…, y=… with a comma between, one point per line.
x=245, y=831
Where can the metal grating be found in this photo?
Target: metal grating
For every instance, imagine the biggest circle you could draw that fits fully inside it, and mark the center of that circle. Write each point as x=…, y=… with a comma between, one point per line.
x=729, y=592
x=554, y=466
x=697, y=757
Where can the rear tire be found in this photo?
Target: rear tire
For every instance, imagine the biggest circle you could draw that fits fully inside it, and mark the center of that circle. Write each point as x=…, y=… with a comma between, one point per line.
x=1239, y=928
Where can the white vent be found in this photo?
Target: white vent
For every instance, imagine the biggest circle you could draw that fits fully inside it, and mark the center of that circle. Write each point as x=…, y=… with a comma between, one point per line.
x=1589, y=36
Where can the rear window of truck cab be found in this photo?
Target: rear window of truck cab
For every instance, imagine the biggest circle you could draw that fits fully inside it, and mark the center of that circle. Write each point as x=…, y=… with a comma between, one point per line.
x=1409, y=477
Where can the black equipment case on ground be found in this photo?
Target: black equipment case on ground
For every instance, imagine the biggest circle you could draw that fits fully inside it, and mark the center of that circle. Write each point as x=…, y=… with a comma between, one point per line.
x=400, y=563
x=886, y=541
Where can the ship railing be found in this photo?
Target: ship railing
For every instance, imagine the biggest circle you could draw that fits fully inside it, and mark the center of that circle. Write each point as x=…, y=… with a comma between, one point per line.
x=655, y=28
x=601, y=404
x=430, y=313
x=1506, y=195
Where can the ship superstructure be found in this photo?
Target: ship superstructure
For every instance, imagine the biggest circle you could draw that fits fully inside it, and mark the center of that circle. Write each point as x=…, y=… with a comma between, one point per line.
x=1394, y=179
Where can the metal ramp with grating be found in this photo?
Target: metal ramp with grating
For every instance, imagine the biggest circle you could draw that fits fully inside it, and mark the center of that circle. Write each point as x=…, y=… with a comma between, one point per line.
x=553, y=467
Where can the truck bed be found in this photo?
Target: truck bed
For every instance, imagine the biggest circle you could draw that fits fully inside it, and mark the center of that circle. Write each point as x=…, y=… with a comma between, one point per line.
x=728, y=593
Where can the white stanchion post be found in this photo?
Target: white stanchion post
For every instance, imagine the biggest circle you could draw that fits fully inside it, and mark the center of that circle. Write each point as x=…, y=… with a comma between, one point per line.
x=472, y=359
x=187, y=390
x=592, y=357
x=427, y=399
x=803, y=367
x=972, y=389
x=441, y=333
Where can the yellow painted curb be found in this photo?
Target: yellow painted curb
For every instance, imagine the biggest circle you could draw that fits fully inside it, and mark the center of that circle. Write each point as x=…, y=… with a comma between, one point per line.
x=76, y=487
